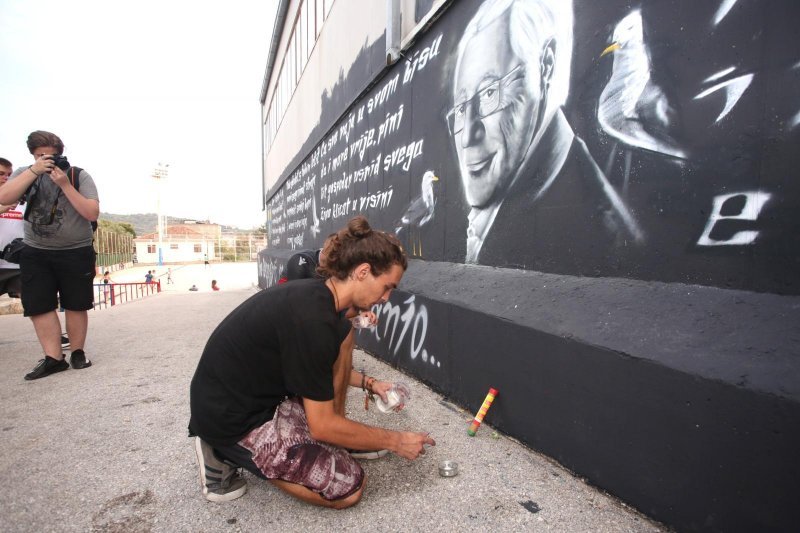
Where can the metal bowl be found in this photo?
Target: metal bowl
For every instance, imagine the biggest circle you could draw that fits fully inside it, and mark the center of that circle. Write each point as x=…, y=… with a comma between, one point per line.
x=448, y=469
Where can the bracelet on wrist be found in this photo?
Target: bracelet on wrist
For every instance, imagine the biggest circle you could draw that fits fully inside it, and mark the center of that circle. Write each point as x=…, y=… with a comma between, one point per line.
x=33, y=172
x=366, y=385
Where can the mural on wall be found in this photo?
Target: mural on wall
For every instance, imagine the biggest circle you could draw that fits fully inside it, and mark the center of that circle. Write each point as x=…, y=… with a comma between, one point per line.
x=523, y=169
x=419, y=212
x=634, y=139
x=403, y=321
x=653, y=140
x=641, y=112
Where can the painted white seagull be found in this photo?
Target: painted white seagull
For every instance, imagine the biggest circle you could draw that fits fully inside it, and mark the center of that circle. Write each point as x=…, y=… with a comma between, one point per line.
x=419, y=212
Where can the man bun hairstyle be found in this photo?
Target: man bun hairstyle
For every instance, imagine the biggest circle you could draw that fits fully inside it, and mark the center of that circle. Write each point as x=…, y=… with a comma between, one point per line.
x=358, y=243
x=40, y=138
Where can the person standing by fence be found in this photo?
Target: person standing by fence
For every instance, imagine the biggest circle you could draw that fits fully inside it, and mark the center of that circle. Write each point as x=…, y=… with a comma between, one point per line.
x=106, y=282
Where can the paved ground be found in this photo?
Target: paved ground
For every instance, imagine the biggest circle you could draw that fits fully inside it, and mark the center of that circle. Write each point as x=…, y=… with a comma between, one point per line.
x=104, y=449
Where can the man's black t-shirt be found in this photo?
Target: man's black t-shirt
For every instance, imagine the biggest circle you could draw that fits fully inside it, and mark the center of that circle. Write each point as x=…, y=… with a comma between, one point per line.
x=279, y=343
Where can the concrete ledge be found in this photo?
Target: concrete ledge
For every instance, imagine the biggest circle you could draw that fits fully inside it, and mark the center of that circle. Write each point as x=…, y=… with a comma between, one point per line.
x=746, y=339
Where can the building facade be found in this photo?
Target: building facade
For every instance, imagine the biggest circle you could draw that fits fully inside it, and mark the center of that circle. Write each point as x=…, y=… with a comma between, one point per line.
x=181, y=243
x=601, y=205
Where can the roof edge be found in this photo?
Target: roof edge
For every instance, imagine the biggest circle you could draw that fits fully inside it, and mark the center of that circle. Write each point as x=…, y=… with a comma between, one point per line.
x=277, y=33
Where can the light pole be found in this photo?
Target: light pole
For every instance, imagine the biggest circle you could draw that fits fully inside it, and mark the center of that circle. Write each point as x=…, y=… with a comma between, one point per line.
x=160, y=173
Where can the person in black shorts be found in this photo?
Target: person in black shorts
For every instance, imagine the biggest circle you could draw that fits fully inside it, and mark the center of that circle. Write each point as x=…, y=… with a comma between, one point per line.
x=263, y=395
x=58, y=263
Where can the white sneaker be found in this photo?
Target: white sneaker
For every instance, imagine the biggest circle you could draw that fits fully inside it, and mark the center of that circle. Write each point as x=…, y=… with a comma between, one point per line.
x=367, y=454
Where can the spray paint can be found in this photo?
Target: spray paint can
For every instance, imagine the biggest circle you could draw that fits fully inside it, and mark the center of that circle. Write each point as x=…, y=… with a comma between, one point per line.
x=487, y=402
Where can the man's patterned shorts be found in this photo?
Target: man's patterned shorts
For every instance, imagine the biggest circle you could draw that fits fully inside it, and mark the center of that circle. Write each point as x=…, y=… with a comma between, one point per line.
x=283, y=449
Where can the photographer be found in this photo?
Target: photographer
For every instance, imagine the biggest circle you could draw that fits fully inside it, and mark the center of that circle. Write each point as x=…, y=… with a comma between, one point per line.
x=58, y=260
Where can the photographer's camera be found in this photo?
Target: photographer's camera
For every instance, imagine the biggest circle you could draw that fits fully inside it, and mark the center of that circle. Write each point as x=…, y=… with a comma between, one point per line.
x=61, y=162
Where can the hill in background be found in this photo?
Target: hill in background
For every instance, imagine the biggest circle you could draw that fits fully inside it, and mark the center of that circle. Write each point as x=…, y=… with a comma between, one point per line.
x=144, y=223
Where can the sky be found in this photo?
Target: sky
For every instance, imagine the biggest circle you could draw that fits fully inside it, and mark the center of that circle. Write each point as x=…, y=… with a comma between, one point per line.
x=129, y=85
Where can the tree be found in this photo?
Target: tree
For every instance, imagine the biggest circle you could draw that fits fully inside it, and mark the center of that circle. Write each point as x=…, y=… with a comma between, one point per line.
x=113, y=242
x=123, y=228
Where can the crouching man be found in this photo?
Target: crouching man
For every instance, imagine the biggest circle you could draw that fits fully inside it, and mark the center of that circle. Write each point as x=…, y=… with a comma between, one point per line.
x=264, y=393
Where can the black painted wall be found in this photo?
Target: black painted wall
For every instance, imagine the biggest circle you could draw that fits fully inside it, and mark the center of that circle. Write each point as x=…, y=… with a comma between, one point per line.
x=636, y=167
x=688, y=112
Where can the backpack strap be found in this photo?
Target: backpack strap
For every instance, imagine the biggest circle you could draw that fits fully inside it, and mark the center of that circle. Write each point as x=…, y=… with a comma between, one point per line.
x=74, y=174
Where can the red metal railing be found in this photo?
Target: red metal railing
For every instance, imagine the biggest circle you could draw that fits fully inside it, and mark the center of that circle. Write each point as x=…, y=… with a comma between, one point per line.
x=106, y=295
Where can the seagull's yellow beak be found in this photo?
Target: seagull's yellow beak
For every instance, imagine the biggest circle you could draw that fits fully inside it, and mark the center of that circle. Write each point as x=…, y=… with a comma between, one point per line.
x=435, y=178
x=613, y=47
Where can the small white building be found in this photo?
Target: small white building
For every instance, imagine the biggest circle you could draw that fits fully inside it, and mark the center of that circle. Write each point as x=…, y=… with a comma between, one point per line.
x=182, y=243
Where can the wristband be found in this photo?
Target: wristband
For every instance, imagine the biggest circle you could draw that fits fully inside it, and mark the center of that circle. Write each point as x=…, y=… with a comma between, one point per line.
x=366, y=386
x=33, y=172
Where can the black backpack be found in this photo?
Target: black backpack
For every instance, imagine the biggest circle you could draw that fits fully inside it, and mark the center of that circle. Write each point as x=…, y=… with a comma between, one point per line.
x=302, y=265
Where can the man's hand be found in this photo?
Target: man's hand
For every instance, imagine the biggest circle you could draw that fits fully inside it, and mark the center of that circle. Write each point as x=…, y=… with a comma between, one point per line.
x=43, y=165
x=59, y=177
x=411, y=445
x=7, y=208
x=326, y=426
x=381, y=388
x=352, y=312
x=372, y=317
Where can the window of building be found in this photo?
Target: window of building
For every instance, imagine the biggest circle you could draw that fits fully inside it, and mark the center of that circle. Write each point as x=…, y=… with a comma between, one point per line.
x=320, y=15
x=198, y=248
x=280, y=92
x=292, y=55
x=173, y=246
x=302, y=25
x=311, y=33
x=307, y=27
x=298, y=63
x=151, y=248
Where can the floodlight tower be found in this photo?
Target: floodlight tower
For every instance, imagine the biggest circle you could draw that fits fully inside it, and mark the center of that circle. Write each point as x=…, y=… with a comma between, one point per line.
x=160, y=173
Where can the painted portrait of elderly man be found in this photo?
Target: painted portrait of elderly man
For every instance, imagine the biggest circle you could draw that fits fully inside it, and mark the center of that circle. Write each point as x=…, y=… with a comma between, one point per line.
x=538, y=200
